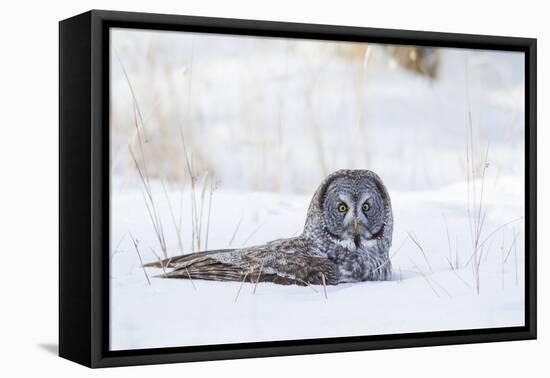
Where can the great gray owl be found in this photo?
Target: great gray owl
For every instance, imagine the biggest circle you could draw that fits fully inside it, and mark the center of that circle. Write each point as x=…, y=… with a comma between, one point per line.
x=346, y=238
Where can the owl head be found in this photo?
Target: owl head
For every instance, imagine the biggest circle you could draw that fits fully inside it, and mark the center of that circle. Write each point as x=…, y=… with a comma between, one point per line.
x=351, y=208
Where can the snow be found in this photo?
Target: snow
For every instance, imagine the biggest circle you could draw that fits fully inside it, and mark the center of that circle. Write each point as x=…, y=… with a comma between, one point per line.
x=172, y=313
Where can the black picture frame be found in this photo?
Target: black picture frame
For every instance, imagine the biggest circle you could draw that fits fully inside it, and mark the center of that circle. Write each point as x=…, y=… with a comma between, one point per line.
x=84, y=188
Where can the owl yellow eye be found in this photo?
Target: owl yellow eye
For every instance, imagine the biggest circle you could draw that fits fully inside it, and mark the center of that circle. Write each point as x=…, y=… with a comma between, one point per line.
x=366, y=207
x=342, y=208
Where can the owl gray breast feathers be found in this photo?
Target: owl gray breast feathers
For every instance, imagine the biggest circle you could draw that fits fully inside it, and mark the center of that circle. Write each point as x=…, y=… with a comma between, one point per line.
x=346, y=238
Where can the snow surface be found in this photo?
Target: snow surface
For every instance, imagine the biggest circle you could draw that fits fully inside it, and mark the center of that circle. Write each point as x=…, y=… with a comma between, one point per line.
x=172, y=313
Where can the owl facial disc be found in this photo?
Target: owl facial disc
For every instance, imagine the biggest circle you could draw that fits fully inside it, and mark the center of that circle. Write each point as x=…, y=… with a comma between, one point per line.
x=354, y=206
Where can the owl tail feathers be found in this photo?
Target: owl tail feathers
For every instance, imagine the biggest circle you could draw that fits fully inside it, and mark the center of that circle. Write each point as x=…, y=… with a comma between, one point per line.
x=188, y=259
x=210, y=265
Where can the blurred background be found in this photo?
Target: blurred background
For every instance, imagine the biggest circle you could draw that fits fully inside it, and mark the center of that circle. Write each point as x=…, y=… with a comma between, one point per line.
x=268, y=114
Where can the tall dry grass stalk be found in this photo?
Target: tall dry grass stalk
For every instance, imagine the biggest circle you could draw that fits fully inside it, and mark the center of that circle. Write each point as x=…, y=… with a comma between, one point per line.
x=454, y=263
x=307, y=284
x=251, y=235
x=476, y=209
x=392, y=256
x=516, y=263
x=431, y=282
x=258, y=279
x=477, y=215
x=151, y=205
x=506, y=255
x=240, y=287
x=147, y=193
x=209, y=213
x=236, y=230
x=417, y=243
x=175, y=223
x=323, y=280
x=425, y=278
x=199, y=201
x=136, y=242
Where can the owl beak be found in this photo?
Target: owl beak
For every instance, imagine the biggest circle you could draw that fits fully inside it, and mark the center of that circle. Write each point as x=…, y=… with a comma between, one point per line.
x=355, y=224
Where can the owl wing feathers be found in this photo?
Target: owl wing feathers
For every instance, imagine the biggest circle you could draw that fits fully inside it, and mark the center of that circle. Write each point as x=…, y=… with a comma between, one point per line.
x=274, y=262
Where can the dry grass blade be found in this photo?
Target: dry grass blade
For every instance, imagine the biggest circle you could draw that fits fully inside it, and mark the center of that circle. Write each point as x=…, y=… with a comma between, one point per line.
x=400, y=275
x=474, y=207
x=194, y=215
x=515, y=235
x=426, y=278
x=457, y=259
x=421, y=250
x=115, y=250
x=252, y=234
x=134, y=98
x=236, y=231
x=516, y=262
x=450, y=259
x=391, y=257
x=442, y=288
x=144, y=176
x=178, y=231
x=156, y=228
x=307, y=284
x=490, y=237
x=161, y=262
x=489, y=248
x=241, y=286
x=324, y=285
x=461, y=279
x=177, y=226
x=502, y=262
x=190, y=279
x=498, y=229
x=201, y=212
x=140, y=260
x=481, y=219
x=150, y=204
x=258, y=279
x=209, y=212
